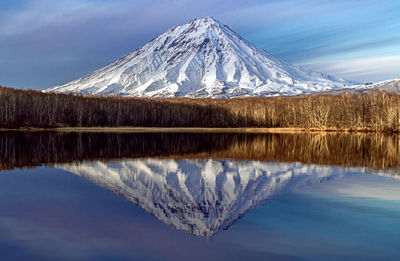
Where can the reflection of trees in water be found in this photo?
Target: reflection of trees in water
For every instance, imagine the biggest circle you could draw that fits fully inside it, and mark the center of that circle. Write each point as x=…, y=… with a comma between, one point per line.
x=319, y=144
x=376, y=151
x=24, y=149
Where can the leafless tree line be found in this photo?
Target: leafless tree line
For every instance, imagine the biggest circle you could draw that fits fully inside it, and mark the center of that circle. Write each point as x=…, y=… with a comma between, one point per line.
x=29, y=108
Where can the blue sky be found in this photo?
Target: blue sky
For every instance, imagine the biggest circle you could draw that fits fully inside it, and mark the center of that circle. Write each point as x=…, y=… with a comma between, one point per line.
x=45, y=42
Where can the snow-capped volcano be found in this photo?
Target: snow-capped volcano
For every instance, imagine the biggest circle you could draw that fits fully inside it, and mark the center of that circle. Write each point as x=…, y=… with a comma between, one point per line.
x=203, y=58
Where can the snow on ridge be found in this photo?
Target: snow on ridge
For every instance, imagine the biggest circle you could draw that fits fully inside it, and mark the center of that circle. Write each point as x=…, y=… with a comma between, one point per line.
x=202, y=58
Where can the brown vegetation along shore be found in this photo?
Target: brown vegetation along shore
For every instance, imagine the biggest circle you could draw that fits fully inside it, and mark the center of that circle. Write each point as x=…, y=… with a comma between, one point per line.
x=377, y=111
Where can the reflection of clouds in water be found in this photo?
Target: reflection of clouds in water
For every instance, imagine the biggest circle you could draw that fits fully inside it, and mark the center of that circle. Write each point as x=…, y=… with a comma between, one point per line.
x=368, y=186
x=200, y=196
x=60, y=216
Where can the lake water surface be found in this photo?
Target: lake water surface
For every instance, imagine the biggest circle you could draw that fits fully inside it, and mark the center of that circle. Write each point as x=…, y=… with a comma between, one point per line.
x=121, y=196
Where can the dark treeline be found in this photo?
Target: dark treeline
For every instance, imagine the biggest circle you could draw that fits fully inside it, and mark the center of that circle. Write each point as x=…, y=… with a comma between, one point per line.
x=375, y=110
x=29, y=149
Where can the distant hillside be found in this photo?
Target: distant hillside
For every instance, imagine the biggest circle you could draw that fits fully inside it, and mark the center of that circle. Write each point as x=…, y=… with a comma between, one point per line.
x=389, y=86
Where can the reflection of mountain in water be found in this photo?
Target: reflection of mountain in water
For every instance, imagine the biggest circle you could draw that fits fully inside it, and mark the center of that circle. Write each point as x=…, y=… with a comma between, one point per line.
x=200, y=196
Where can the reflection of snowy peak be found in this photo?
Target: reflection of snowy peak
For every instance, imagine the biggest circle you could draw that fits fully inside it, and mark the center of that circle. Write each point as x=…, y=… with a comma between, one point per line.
x=200, y=196
x=203, y=58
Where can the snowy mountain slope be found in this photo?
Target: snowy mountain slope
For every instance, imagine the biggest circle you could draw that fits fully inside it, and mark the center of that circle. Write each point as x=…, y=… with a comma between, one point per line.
x=203, y=58
x=199, y=196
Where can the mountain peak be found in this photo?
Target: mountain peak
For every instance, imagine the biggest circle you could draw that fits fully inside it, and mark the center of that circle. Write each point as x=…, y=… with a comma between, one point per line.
x=199, y=28
x=196, y=24
x=202, y=58
x=208, y=20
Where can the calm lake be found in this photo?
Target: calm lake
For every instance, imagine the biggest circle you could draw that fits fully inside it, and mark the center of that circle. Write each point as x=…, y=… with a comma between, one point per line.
x=177, y=196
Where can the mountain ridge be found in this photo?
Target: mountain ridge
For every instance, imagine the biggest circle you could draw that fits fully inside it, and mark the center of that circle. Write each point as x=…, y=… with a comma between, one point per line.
x=203, y=58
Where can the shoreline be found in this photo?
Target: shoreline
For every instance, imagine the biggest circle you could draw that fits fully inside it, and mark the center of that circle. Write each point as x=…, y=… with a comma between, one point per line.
x=197, y=130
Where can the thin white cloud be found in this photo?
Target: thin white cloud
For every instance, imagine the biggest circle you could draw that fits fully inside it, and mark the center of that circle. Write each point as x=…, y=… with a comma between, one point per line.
x=361, y=69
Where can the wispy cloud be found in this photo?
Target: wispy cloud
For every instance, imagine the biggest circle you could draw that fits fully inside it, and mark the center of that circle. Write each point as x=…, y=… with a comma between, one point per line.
x=46, y=42
x=371, y=68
